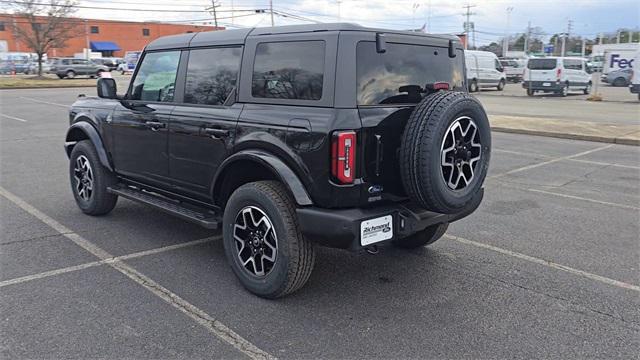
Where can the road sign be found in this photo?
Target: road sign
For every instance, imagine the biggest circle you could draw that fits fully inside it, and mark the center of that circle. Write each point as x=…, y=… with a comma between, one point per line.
x=548, y=49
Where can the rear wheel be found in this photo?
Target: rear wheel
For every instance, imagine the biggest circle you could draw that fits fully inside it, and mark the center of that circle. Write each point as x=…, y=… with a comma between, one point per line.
x=262, y=240
x=422, y=238
x=90, y=180
x=501, y=85
x=587, y=90
x=619, y=82
x=530, y=92
x=473, y=86
x=565, y=90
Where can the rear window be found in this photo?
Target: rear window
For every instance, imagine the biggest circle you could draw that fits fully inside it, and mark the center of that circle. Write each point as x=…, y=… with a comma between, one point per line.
x=380, y=76
x=542, y=64
x=289, y=70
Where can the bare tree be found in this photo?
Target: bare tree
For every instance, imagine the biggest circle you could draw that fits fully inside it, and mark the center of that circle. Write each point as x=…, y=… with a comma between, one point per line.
x=43, y=25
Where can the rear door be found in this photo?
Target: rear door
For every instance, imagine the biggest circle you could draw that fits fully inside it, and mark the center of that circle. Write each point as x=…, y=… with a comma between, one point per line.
x=202, y=129
x=541, y=69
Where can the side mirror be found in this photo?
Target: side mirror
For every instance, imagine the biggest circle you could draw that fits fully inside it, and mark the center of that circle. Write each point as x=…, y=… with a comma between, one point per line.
x=107, y=88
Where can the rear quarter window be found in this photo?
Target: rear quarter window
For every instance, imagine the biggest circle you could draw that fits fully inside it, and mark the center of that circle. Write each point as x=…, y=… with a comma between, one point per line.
x=289, y=70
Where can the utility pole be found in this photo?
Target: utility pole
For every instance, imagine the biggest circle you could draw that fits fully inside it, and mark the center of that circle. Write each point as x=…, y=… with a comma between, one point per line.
x=271, y=11
x=565, y=36
x=467, y=24
x=215, y=13
x=526, y=38
x=618, y=41
x=232, y=12
x=339, y=2
x=505, y=48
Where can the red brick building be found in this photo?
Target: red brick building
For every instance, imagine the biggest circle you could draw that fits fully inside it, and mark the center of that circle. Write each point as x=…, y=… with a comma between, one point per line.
x=111, y=38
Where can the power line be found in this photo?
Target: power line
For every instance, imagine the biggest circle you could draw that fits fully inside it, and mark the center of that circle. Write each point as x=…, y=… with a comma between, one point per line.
x=123, y=9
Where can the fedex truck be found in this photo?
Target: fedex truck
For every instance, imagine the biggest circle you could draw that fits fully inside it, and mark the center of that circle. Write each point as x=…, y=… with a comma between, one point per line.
x=619, y=58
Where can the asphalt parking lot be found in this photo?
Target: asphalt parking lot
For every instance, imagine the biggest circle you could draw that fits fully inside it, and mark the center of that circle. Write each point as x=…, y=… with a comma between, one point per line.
x=547, y=267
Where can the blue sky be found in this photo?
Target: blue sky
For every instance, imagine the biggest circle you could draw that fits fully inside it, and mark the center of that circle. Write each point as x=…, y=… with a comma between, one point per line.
x=589, y=17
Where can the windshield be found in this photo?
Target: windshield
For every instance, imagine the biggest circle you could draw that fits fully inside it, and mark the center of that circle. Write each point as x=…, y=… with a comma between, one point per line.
x=541, y=64
x=380, y=76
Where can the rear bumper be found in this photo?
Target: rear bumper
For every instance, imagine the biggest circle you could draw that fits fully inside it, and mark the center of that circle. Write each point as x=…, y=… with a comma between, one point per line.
x=540, y=85
x=340, y=228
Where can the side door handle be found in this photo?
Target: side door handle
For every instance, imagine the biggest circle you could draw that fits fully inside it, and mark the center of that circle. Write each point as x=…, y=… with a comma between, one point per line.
x=216, y=133
x=155, y=125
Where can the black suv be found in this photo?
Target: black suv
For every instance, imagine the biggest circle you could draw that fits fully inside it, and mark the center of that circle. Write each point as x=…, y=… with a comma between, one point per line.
x=288, y=137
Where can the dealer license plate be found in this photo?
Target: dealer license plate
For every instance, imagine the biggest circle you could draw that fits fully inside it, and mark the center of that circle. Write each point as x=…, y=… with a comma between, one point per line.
x=376, y=230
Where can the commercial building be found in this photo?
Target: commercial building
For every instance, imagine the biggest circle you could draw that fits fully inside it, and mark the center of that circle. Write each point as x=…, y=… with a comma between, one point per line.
x=111, y=38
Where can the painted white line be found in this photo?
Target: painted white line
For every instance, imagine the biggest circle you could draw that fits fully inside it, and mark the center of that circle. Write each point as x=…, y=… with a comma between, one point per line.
x=69, y=269
x=546, y=263
x=13, y=118
x=574, y=160
x=583, y=199
x=550, y=161
x=214, y=326
x=44, y=102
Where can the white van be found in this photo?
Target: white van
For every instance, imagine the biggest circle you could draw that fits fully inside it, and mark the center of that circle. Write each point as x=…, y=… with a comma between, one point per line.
x=634, y=87
x=558, y=75
x=484, y=70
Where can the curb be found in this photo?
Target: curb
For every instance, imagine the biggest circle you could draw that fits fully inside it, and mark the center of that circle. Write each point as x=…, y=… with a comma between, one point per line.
x=45, y=87
x=603, y=139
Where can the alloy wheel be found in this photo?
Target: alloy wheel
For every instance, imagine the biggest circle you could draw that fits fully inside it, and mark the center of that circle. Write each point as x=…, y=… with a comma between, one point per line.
x=83, y=175
x=460, y=151
x=256, y=241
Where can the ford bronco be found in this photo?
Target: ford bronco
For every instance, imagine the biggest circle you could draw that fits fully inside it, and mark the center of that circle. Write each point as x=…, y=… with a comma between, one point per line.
x=286, y=138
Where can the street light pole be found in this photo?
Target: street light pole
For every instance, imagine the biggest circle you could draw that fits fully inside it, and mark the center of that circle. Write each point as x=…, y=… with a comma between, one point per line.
x=506, y=33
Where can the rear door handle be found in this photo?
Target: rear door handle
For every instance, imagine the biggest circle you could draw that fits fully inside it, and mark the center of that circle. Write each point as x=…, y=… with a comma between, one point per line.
x=216, y=133
x=155, y=125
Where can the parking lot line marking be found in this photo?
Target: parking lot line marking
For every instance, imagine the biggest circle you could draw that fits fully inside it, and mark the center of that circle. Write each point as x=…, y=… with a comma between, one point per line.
x=550, y=161
x=13, y=118
x=214, y=326
x=575, y=160
x=583, y=199
x=546, y=263
x=45, y=102
x=135, y=255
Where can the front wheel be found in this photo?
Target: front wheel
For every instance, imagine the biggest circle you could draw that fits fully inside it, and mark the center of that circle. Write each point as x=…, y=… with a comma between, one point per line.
x=90, y=180
x=422, y=238
x=530, y=92
x=501, y=85
x=71, y=74
x=262, y=240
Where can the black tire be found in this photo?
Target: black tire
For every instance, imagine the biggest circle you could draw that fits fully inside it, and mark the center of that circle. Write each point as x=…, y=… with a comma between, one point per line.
x=423, y=141
x=61, y=76
x=564, y=91
x=422, y=238
x=587, y=90
x=619, y=82
x=501, y=85
x=294, y=255
x=70, y=74
x=473, y=86
x=100, y=201
x=530, y=92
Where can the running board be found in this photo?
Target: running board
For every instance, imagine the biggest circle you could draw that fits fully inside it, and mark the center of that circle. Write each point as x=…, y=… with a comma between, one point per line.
x=199, y=215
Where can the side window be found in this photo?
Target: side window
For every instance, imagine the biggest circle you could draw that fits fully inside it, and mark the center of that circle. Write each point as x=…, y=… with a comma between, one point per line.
x=573, y=64
x=79, y=62
x=155, y=80
x=211, y=75
x=289, y=70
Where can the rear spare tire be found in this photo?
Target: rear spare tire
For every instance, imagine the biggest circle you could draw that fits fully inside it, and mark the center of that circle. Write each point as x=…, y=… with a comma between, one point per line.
x=445, y=152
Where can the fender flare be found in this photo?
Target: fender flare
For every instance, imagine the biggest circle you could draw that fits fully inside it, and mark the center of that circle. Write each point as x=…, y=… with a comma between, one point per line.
x=92, y=134
x=282, y=171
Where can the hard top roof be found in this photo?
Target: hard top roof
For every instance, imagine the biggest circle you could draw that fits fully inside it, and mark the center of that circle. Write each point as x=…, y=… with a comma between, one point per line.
x=230, y=37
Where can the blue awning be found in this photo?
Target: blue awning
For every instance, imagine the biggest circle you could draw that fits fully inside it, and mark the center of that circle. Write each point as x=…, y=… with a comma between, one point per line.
x=104, y=46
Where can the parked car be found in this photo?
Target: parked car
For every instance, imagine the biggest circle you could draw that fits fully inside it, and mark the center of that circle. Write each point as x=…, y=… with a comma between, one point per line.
x=128, y=65
x=484, y=70
x=620, y=77
x=7, y=67
x=596, y=62
x=33, y=67
x=111, y=63
x=512, y=69
x=72, y=67
x=289, y=139
x=558, y=75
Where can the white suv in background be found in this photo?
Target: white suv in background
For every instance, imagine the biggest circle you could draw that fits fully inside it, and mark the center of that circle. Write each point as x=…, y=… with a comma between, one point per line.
x=484, y=70
x=558, y=75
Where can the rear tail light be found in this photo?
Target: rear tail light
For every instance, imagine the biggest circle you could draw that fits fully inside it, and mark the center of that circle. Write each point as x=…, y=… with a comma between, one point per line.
x=343, y=156
x=558, y=74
